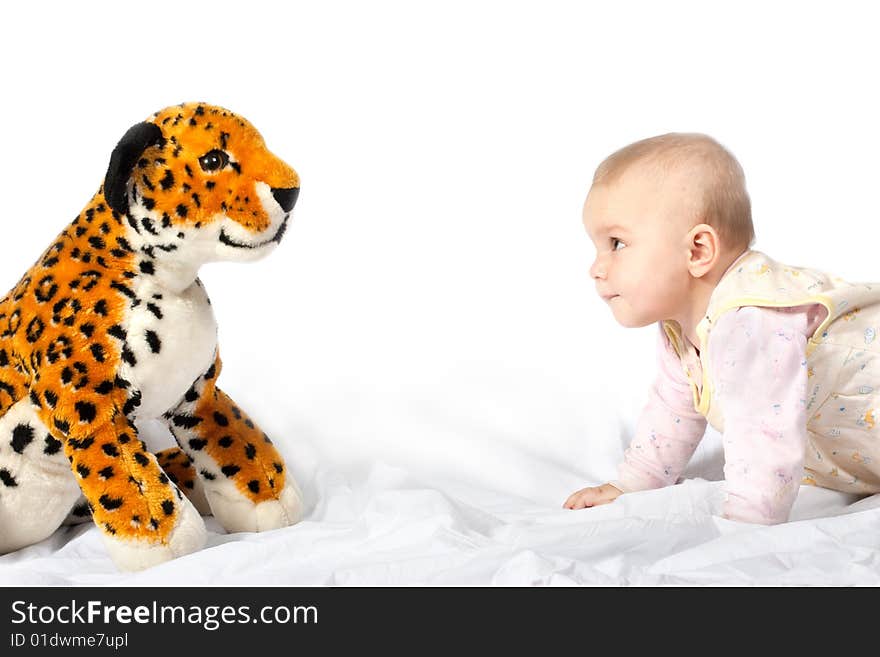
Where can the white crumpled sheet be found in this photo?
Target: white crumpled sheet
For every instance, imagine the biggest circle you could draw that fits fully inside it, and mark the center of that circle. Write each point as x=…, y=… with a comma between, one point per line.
x=383, y=526
x=460, y=480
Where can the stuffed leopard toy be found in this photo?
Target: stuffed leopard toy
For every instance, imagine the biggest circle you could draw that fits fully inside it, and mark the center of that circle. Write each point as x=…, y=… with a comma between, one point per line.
x=111, y=324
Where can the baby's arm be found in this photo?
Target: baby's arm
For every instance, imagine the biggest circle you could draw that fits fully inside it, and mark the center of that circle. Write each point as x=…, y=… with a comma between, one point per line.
x=667, y=433
x=759, y=365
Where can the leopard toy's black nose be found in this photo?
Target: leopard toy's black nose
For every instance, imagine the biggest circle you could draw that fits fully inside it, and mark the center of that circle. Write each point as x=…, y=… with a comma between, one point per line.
x=286, y=197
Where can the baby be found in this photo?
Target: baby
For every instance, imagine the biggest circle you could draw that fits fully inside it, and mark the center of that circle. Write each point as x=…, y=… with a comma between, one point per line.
x=782, y=360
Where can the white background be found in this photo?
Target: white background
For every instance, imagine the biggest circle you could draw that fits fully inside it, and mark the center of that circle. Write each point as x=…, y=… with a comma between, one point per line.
x=430, y=307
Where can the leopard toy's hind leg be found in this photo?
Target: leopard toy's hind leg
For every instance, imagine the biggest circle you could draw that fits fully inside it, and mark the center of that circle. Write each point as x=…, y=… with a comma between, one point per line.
x=37, y=488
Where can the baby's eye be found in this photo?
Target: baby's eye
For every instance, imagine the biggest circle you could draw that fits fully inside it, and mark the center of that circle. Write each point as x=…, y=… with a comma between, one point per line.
x=616, y=244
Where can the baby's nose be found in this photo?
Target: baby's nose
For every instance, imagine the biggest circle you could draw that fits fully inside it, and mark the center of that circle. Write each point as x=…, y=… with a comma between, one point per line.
x=597, y=270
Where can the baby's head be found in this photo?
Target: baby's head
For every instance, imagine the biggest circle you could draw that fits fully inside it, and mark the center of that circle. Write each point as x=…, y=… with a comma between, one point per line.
x=667, y=216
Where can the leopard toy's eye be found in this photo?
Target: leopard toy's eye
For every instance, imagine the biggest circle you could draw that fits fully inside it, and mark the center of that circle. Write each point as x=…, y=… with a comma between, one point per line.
x=213, y=160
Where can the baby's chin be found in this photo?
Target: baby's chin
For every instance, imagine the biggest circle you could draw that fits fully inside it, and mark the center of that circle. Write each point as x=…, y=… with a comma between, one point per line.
x=631, y=320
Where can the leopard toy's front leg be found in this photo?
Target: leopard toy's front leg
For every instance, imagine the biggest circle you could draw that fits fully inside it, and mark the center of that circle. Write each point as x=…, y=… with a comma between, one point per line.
x=243, y=476
x=144, y=518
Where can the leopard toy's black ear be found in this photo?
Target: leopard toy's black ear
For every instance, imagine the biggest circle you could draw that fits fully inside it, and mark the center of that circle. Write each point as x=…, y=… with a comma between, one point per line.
x=125, y=156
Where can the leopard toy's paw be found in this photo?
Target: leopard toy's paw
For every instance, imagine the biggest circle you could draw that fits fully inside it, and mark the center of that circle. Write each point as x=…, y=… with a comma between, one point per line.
x=188, y=535
x=239, y=513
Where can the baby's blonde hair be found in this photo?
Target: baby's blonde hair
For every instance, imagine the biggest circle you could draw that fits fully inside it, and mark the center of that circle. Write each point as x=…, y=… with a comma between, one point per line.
x=725, y=204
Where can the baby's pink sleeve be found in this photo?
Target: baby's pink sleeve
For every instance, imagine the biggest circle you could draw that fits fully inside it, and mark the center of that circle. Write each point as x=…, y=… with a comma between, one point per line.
x=668, y=430
x=759, y=373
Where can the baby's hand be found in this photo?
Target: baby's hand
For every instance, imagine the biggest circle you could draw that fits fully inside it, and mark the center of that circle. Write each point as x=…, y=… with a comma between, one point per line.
x=593, y=496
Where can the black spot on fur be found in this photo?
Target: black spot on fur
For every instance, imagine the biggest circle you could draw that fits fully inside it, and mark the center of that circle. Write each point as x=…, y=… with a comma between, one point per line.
x=85, y=443
x=125, y=290
x=128, y=356
x=7, y=478
x=22, y=436
x=154, y=341
x=146, y=267
x=207, y=475
x=110, y=449
x=221, y=419
x=278, y=467
x=230, y=470
x=254, y=486
x=34, y=329
x=110, y=503
x=132, y=403
x=168, y=507
x=45, y=289
x=106, y=473
x=51, y=398
x=52, y=445
x=83, y=471
x=104, y=388
x=141, y=458
x=197, y=443
x=186, y=421
x=101, y=308
x=250, y=451
x=167, y=181
x=225, y=441
x=86, y=411
x=97, y=352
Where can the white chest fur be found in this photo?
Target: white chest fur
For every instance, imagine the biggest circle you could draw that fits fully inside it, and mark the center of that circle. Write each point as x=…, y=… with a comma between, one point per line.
x=171, y=338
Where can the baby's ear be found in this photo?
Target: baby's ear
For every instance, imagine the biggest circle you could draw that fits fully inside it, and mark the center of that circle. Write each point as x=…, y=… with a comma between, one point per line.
x=704, y=250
